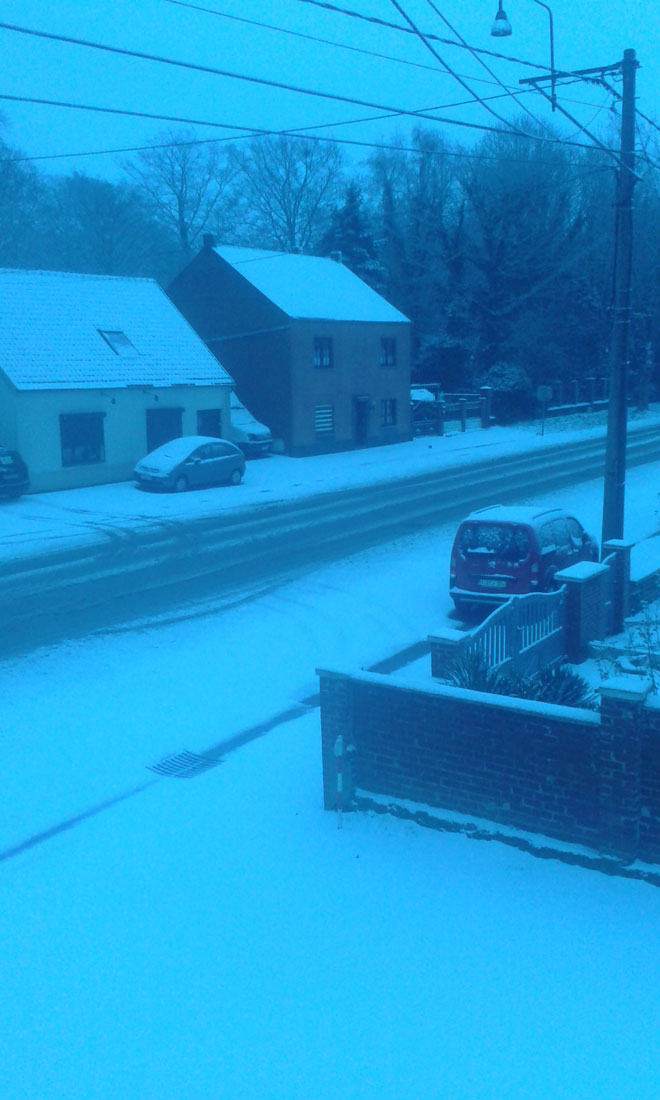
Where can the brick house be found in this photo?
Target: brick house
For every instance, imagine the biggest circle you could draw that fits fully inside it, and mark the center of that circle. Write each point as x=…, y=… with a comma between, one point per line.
x=316, y=353
x=97, y=370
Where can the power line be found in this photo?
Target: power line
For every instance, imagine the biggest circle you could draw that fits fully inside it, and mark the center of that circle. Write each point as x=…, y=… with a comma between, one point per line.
x=282, y=85
x=124, y=52
x=407, y=30
x=251, y=131
x=480, y=60
x=310, y=37
x=424, y=40
x=514, y=92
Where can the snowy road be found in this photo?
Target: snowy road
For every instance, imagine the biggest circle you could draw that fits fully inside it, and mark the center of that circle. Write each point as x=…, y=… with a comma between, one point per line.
x=212, y=544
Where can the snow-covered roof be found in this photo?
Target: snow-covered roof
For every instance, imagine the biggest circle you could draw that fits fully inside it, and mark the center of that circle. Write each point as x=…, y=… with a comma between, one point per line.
x=65, y=331
x=309, y=287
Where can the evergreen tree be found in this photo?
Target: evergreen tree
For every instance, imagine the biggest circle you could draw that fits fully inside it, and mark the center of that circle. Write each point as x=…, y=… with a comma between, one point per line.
x=349, y=234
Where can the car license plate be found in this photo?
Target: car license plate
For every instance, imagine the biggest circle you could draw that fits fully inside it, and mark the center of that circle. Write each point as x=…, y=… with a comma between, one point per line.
x=492, y=582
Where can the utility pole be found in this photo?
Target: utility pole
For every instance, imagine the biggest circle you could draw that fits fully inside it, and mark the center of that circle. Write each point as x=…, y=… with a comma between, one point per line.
x=615, y=452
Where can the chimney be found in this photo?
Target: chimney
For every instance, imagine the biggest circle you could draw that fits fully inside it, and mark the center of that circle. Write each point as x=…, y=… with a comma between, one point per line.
x=208, y=241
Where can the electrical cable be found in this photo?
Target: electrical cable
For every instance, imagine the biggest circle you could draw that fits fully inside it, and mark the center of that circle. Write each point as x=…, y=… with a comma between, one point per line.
x=311, y=37
x=484, y=65
x=515, y=91
x=407, y=30
x=422, y=38
x=253, y=131
x=281, y=85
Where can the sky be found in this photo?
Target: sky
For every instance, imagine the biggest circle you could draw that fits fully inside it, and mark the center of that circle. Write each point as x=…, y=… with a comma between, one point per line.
x=226, y=35
x=219, y=938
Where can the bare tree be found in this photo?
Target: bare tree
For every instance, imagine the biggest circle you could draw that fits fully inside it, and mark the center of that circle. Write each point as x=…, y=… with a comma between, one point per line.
x=288, y=186
x=184, y=182
x=104, y=228
x=21, y=201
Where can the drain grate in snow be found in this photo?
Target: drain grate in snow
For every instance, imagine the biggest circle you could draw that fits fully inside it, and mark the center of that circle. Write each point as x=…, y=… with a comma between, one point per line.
x=184, y=765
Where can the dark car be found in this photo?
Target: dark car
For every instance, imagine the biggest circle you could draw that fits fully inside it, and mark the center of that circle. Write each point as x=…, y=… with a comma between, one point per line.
x=502, y=551
x=14, y=478
x=191, y=462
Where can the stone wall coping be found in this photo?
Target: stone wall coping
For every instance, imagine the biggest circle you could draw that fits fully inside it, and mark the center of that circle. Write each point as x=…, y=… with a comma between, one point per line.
x=618, y=544
x=632, y=688
x=479, y=698
x=581, y=571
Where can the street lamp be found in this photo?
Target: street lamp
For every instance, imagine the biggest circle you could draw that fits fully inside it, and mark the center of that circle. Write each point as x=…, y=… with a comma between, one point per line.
x=501, y=28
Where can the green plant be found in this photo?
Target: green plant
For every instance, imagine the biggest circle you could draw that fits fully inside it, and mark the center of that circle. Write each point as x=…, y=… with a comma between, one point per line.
x=553, y=684
x=513, y=395
x=558, y=684
x=473, y=671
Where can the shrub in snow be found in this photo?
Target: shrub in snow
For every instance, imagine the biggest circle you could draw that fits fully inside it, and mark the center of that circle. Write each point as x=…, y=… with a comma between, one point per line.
x=559, y=684
x=512, y=392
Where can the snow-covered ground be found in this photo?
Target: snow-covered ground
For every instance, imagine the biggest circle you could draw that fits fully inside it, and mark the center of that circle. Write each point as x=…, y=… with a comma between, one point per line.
x=219, y=937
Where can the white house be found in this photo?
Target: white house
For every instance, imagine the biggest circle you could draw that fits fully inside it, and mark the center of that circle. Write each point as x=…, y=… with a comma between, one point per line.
x=97, y=370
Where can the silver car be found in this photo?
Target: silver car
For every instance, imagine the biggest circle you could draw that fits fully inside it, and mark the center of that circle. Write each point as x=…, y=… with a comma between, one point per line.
x=191, y=462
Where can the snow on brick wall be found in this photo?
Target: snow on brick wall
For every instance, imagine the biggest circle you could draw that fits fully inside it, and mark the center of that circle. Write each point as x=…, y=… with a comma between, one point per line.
x=576, y=775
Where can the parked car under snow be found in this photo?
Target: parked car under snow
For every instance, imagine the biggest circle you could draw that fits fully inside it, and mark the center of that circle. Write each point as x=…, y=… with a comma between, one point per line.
x=14, y=478
x=191, y=462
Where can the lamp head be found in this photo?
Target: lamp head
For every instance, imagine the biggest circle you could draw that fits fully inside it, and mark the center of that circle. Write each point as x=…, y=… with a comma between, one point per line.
x=501, y=27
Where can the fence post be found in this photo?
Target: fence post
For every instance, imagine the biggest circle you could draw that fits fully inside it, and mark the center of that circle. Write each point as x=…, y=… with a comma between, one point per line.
x=585, y=607
x=440, y=417
x=618, y=759
x=462, y=412
x=446, y=647
x=485, y=405
x=575, y=392
x=621, y=588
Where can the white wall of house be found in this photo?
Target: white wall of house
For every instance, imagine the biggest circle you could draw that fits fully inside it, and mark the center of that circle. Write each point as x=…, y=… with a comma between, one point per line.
x=37, y=431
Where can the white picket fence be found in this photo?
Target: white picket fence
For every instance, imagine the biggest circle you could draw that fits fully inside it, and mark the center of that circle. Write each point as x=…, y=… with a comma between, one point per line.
x=526, y=632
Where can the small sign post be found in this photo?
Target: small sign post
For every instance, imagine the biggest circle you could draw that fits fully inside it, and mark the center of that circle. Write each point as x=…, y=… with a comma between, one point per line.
x=543, y=395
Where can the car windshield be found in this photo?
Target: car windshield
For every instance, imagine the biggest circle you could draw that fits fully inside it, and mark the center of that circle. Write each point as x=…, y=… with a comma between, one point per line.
x=501, y=540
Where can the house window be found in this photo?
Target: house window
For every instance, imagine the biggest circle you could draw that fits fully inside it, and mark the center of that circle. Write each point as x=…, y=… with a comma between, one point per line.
x=209, y=422
x=81, y=436
x=324, y=419
x=119, y=343
x=322, y=351
x=388, y=412
x=387, y=352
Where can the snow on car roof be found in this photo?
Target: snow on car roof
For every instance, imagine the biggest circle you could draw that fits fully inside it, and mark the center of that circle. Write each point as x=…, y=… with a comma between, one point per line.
x=178, y=449
x=506, y=513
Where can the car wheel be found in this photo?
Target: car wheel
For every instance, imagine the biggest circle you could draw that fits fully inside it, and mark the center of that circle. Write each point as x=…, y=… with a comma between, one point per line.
x=181, y=484
x=550, y=584
x=236, y=476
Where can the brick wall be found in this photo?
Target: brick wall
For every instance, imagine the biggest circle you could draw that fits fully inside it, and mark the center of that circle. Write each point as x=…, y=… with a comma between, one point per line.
x=579, y=776
x=649, y=831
